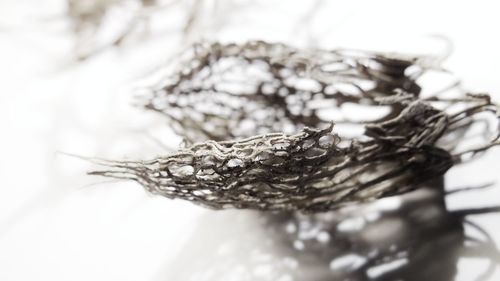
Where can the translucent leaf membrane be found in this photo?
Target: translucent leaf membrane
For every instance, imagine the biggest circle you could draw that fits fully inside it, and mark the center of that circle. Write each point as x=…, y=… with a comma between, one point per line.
x=244, y=104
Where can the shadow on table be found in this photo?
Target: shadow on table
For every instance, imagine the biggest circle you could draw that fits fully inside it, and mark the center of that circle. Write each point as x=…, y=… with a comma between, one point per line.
x=412, y=237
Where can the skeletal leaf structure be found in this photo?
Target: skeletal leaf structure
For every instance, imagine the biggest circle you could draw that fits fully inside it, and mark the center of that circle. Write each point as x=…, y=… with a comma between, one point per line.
x=90, y=22
x=99, y=25
x=260, y=117
x=221, y=92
